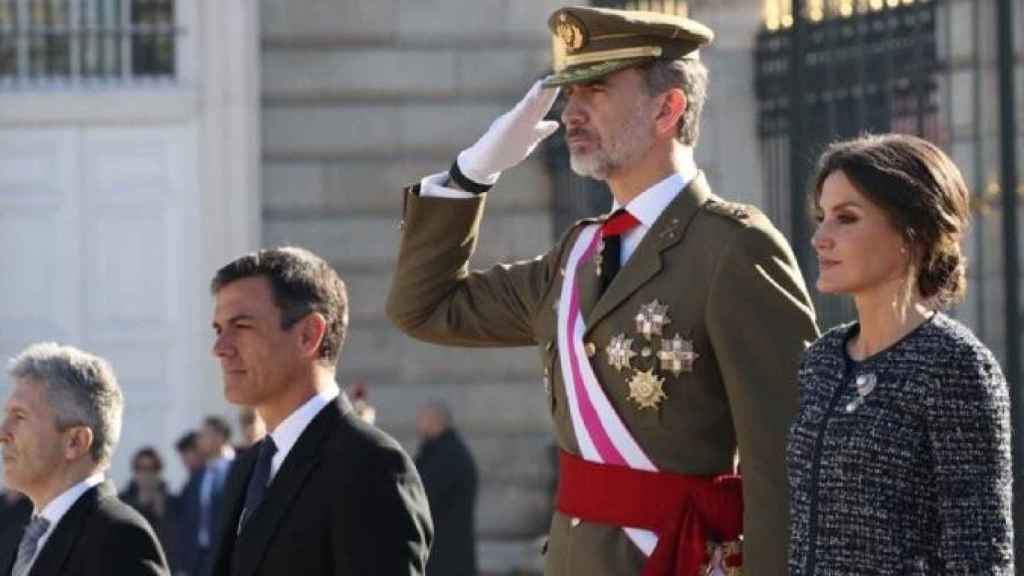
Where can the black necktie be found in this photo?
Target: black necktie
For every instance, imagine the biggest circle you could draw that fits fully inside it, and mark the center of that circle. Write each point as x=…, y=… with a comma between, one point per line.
x=612, y=230
x=258, y=481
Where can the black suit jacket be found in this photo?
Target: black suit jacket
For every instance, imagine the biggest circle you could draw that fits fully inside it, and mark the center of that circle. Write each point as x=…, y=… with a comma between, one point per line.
x=450, y=478
x=99, y=536
x=186, y=545
x=346, y=501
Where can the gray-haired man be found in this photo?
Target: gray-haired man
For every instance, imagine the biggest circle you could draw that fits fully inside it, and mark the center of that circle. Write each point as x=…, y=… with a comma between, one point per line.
x=61, y=423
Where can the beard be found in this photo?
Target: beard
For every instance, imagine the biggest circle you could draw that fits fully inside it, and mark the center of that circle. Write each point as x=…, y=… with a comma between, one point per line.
x=624, y=145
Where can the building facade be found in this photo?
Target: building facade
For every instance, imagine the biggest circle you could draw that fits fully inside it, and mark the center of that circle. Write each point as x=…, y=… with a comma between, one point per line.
x=146, y=142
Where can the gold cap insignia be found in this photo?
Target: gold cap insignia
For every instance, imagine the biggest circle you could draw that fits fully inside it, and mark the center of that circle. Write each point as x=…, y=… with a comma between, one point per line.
x=571, y=32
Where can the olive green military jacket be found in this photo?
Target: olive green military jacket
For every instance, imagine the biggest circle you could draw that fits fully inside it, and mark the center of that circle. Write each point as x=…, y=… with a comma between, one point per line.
x=733, y=290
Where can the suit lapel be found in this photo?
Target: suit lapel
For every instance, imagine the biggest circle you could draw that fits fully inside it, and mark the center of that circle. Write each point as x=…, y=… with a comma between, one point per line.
x=9, y=548
x=231, y=509
x=59, y=544
x=646, y=261
x=286, y=485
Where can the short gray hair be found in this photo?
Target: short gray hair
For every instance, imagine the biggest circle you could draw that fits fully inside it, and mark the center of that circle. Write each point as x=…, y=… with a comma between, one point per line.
x=80, y=387
x=690, y=76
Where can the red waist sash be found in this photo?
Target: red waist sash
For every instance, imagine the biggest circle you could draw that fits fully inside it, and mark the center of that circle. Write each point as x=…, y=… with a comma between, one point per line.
x=686, y=512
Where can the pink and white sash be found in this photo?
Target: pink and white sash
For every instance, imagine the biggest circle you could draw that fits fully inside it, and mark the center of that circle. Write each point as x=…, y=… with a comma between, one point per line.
x=601, y=434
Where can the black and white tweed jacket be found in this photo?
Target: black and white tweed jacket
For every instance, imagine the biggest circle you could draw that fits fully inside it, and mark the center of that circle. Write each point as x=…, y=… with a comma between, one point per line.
x=900, y=465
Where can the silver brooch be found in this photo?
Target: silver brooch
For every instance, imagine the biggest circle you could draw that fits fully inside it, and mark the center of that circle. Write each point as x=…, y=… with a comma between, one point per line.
x=865, y=384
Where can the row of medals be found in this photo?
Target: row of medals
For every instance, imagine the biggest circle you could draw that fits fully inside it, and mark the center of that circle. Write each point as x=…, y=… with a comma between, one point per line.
x=675, y=355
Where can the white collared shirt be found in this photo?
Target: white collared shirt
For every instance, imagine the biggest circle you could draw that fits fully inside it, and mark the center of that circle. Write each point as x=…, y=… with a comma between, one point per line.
x=288, y=431
x=646, y=207
x=59, y=506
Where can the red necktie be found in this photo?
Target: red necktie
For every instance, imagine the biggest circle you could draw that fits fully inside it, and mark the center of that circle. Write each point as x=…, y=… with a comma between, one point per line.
x=612, y=230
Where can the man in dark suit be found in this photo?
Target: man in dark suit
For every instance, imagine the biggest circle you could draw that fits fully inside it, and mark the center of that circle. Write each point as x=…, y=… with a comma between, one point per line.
x=450, y=478
x=323, y=493
x=184, y=556
x=62, y=421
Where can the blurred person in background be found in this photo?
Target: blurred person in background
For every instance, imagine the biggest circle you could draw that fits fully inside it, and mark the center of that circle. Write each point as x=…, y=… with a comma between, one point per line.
x=450, y=477
x=361, y=403
x=188, y=451
x=148, y=494
x=200, y=503
x=186, y=505
x=251, y=427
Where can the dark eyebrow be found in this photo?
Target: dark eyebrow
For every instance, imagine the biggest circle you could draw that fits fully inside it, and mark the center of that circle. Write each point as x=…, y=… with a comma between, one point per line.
x=235, y=319
x=848, y=204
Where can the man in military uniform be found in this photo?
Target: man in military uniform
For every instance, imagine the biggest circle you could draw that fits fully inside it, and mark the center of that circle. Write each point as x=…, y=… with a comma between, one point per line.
x=670, y=330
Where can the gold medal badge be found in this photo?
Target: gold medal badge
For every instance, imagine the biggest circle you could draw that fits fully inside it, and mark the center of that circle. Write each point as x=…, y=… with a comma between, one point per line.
x=646, y=389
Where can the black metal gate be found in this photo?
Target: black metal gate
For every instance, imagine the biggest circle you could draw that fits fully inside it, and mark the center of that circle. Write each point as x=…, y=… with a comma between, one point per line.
x=834, y=74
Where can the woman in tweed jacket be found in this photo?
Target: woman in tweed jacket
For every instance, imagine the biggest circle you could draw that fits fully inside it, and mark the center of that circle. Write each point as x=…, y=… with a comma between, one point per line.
x=899, y=457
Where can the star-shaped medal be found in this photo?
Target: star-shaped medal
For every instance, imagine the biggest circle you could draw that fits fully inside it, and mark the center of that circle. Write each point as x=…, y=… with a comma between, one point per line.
x=677, y=355
x=646, y=389
x=620, y=352
x=652, y=318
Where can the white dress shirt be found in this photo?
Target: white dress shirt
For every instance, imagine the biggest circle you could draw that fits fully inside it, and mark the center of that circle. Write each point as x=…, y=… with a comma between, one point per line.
x=646, y=207
x=59, y=506
x=287, y=433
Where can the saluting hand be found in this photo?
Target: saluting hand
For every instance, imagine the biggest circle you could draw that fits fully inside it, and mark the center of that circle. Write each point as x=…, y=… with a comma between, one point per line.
x=511, y=137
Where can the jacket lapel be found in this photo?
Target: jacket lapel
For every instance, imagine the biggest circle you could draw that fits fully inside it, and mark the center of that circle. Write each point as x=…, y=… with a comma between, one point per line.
x=286, y=485
x=646, y=261
x=231, y=509
x=587, y=281
x=59, y=544
x=9, y=547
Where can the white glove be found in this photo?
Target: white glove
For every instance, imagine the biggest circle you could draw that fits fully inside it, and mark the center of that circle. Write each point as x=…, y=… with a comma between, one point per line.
x=511, y=137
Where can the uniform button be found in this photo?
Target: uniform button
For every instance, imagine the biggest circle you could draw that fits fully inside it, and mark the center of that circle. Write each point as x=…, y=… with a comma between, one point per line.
x=591, y=349
x=575, y=522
